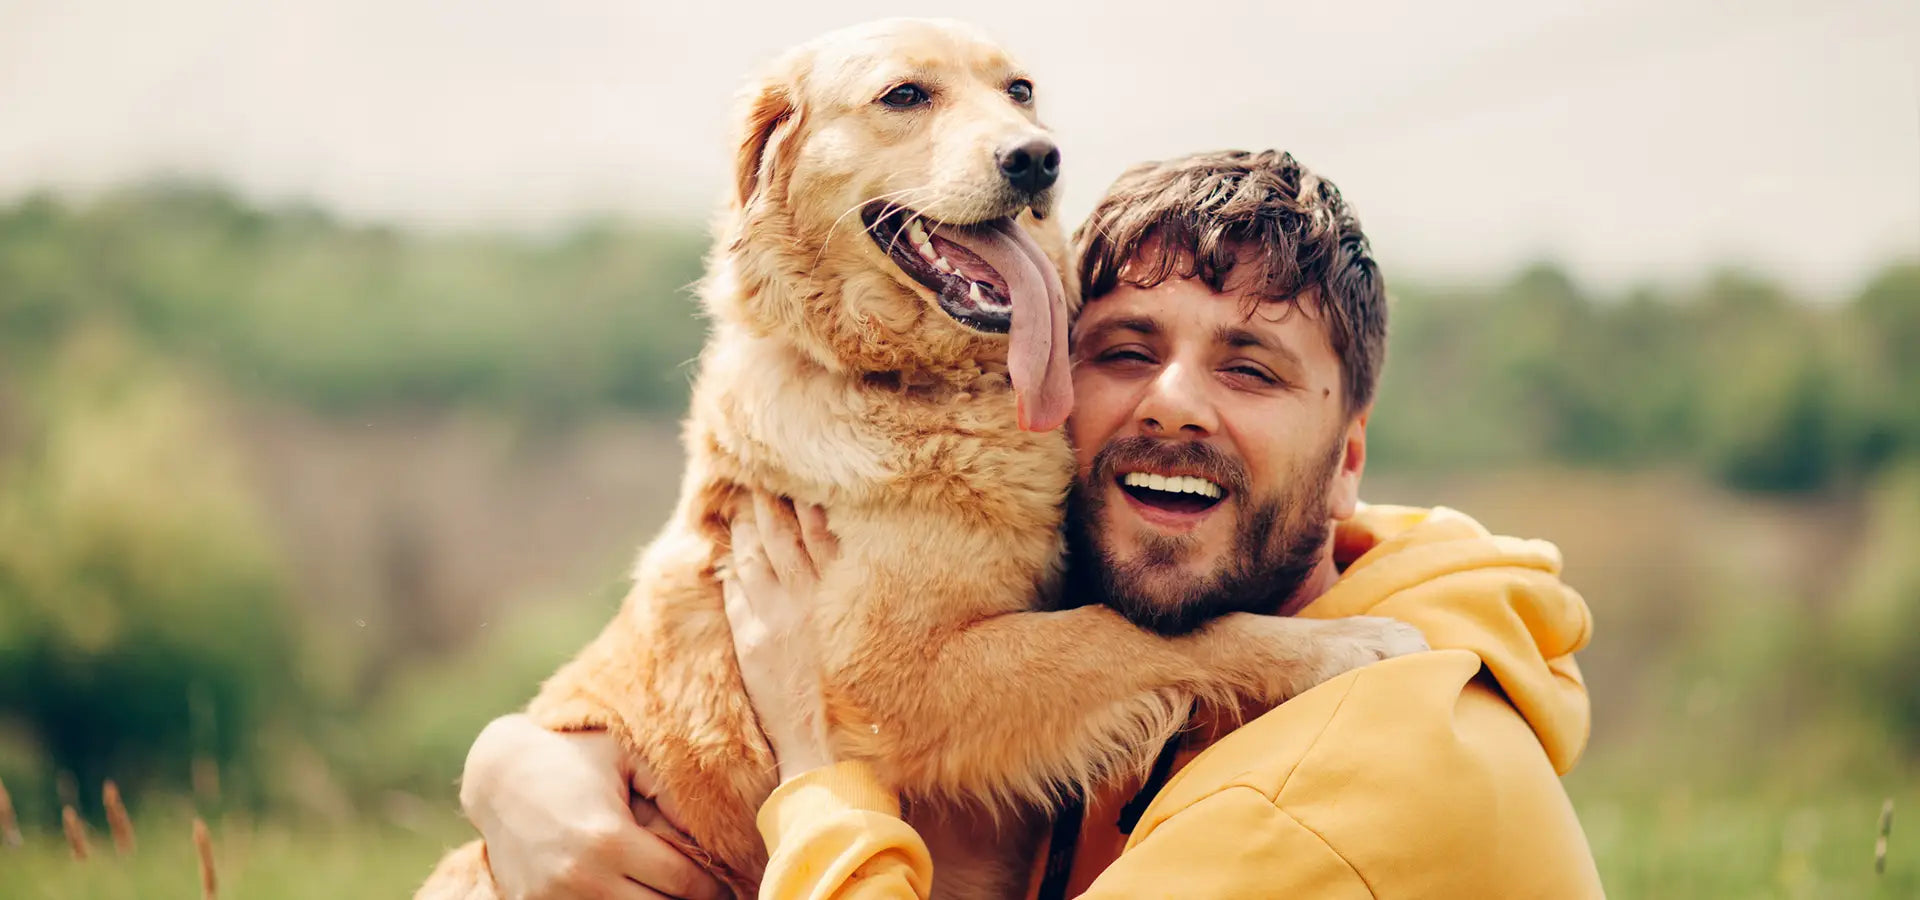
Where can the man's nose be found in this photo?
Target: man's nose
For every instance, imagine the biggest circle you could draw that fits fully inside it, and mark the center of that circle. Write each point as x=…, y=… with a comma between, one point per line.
x=1176, y=405
x=1031, y=164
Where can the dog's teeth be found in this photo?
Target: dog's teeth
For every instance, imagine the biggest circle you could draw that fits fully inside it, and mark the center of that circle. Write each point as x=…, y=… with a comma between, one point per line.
x=973, y=292
x=915, y=231
x=926, y=252
x=944, y=266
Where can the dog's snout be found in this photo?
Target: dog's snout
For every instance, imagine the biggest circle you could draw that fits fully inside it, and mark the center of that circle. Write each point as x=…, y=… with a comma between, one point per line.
x=1030, y=164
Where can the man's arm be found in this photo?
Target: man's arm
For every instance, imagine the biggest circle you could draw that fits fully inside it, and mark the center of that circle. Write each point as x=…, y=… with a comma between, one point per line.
x=834, y=833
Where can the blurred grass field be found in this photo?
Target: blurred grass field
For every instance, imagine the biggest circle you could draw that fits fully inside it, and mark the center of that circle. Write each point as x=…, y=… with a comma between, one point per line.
x=310, y=502
x=1675, y=844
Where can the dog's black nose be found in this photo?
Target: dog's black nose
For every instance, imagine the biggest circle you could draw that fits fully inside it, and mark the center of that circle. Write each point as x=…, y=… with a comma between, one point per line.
x=1032, y=165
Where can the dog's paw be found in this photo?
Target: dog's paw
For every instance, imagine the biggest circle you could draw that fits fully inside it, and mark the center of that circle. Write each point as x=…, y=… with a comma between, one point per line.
x=1356, y=641
x=1396, y=638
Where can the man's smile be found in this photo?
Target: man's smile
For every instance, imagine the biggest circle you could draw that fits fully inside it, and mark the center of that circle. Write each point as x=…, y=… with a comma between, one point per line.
x=1170, y=500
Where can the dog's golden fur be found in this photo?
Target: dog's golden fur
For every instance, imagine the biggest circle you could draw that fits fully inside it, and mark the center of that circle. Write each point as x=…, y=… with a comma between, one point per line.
x=832, y=378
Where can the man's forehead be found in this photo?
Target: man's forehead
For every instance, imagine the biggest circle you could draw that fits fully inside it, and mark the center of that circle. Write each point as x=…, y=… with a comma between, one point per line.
x=1180, y=302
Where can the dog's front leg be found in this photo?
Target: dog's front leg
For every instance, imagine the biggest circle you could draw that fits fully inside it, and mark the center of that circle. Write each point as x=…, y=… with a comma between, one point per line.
x=1013, y=707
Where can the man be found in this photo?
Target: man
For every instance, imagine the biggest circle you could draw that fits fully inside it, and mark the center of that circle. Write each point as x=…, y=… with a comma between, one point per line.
x=1234, y=326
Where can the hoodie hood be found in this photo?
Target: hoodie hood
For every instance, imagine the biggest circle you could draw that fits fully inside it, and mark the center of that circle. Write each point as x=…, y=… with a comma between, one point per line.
x=1500, y=598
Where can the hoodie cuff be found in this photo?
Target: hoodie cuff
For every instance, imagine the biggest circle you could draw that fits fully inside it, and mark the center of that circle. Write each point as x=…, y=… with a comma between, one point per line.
x=819, y=794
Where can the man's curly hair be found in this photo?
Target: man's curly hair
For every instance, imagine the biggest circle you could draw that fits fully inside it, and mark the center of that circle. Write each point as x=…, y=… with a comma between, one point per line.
x=1206, y=215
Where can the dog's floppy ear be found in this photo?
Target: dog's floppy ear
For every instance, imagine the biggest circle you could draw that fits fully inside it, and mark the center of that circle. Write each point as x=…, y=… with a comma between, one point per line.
x=766, y=109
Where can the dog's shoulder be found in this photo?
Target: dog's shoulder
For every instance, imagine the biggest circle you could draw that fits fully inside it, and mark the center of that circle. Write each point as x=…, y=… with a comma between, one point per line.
x=781, y=422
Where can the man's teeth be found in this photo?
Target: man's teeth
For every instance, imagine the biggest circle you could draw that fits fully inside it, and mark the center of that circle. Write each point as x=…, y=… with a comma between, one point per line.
x=1174, y=484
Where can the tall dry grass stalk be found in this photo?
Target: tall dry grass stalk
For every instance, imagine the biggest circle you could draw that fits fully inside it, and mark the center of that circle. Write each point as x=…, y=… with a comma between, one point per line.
x=9, y=822
x=117, y=819
x=1880, y=844
x=203, y=842
x=76, y=832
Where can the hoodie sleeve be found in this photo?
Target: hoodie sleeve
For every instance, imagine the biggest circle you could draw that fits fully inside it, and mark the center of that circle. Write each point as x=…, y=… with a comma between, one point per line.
x=1270, y=854
x=836, y=833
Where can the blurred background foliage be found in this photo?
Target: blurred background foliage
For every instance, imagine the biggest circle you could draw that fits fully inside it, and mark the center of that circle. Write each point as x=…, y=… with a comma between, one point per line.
x=303, y=502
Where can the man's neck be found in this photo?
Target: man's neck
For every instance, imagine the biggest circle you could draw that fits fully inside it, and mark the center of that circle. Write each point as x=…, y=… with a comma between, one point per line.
x=1317, y=582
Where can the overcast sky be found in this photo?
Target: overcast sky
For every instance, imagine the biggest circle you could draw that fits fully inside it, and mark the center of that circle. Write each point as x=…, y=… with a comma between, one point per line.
x=1634, y=139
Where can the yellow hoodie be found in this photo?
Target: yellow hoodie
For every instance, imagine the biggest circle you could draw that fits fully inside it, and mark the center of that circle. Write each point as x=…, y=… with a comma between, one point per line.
x=1431, y=775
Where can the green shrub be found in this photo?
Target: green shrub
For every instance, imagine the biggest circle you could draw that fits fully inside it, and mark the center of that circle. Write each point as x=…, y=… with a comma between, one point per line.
x=142, y=620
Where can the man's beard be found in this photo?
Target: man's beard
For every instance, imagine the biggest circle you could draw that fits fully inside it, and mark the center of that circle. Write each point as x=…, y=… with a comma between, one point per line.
x=1277, y=539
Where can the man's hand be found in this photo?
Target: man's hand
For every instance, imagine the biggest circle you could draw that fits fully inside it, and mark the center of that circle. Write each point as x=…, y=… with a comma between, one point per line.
x=565, y=816
x=770, y=590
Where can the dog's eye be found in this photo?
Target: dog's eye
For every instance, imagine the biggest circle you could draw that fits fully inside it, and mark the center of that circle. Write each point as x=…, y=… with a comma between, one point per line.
x=1021, y=91
x=905, y=96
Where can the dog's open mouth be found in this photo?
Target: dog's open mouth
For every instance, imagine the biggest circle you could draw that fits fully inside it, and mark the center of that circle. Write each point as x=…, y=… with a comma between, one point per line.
x=991, y=277
x=1173, y=493
x=938, y=256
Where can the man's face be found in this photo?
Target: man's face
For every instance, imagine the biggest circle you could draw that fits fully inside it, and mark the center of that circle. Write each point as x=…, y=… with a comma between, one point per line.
x=1214, y=451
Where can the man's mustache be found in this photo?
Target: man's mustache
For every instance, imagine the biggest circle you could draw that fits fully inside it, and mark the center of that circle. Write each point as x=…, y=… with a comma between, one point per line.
x=1188, y=457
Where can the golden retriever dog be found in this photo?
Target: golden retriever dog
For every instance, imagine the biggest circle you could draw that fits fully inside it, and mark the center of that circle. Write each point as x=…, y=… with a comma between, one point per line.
x=888, y=339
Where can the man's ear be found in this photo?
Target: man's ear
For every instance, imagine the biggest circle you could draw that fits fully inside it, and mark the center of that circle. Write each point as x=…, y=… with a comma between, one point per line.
x=1344, y=496
x=766, y=109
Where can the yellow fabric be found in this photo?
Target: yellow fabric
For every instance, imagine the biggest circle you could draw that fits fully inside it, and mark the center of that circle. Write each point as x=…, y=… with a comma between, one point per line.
x=1432, y=775
x=834, y=832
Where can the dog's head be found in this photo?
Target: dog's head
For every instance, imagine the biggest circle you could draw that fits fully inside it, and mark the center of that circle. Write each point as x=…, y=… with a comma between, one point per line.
x=891, y=183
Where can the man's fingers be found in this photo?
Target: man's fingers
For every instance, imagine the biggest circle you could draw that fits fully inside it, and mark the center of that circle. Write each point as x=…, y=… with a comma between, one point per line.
x=654, y=811
x=745, y=528
x=641, y=778
x=642, y=892
x=608, y=887
x=658, y=866
x=780, y=537
x=748, y=631
x=752, y=570
x=821, y=545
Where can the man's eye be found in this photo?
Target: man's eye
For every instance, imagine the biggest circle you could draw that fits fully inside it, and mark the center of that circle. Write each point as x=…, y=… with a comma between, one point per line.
x=1125, y=356
x=1253, y=373
x=905, y=96
x=1021, y=90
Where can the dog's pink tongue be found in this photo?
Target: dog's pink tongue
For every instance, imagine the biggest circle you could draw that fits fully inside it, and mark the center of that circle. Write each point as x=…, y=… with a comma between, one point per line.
x=1037, y=360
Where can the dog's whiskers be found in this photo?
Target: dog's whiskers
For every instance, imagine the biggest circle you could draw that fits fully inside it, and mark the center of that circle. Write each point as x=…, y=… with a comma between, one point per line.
x=887, y=211
x=895, y=200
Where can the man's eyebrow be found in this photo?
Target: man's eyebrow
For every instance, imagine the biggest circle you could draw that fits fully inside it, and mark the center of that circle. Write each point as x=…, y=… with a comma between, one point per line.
x=1141, y=325
x=1239, y=337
